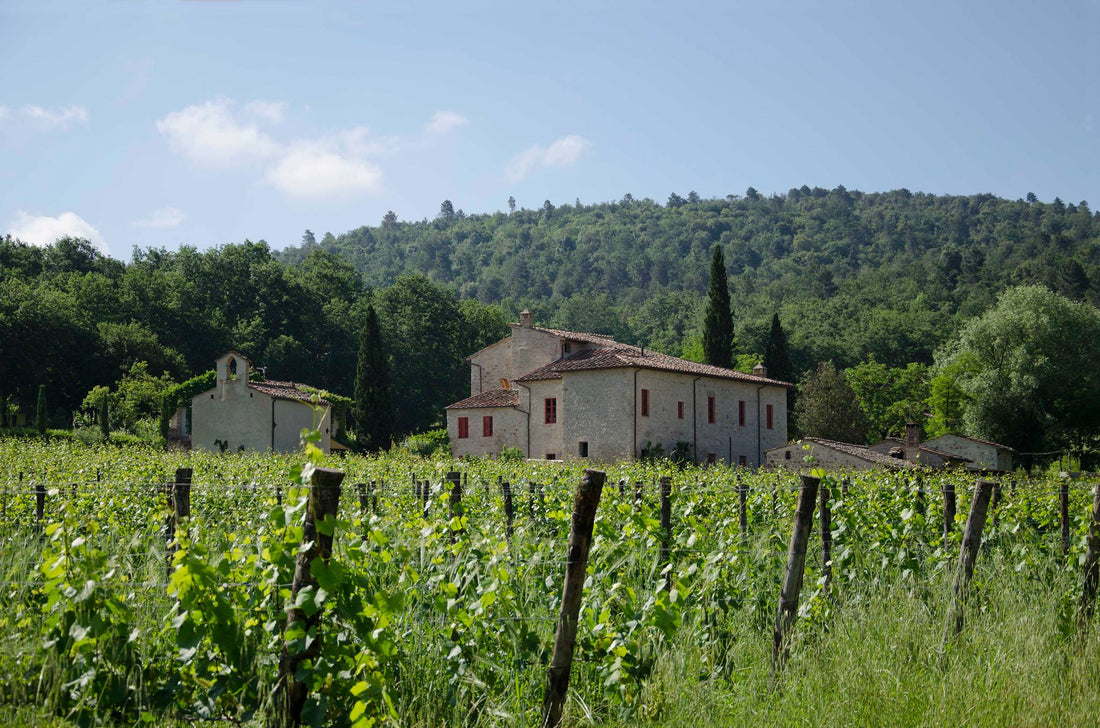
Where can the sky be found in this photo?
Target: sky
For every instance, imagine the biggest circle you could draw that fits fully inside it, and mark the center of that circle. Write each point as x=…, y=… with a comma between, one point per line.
x=161, y=124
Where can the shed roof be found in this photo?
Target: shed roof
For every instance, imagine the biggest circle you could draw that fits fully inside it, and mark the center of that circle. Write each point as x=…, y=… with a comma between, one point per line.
x=286, y=390
x=491, y=398
x=858, y=451
x=977, y=440
x=925, y=448
x=623, y=355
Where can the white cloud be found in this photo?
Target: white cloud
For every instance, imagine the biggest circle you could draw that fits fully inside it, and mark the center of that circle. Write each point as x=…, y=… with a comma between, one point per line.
x=213, y=135
x=45, y=230
x=314, y=170
x=564, y=152
x=443, y=121
x=59, y=119
x=271, y=111
x=165, y=217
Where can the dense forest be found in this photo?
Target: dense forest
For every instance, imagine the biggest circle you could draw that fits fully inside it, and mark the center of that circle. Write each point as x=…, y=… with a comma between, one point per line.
x=854, y=277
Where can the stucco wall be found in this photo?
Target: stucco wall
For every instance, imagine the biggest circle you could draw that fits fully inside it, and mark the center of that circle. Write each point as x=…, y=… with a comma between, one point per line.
x=599, y=410
x=823, y=457
x=546, y=439
x=241, y=418
x=532, y=349
x=982, y=456
x=291, y=418
x=490, y=365
x=509, y=429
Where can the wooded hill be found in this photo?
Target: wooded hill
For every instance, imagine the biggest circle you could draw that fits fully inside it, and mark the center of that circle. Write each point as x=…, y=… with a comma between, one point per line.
x=851, y=274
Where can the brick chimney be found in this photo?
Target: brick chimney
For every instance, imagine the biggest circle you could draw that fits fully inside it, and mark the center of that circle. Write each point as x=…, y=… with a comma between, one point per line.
x=527, y=319
x=760, y=370
x=912, y=442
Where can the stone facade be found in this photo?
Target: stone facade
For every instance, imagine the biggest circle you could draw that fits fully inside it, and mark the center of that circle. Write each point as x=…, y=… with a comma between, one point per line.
x=239, y=414
x=579, y=395
x=811, y=452
x=981, y=455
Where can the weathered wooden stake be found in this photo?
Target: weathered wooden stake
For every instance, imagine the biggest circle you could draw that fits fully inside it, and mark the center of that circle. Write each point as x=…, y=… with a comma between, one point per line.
x=994, y=501
x=509, y=509
x=639, y=496
x=1092, y=565
x=1063, y=512
x=743, y=509
x=324, y=502
x=278, y=494
x=39, y=504
x=374, y=496
x=972, y=541
x=580, y=540
x=454, y=503
x=666, y=528
x=826, y=533
x=948, y=509
x=364, y=500
x=530, y=500
x=919, y=502
x=792, y=578
x=844, y=486
x=622, y=487
x=179, y=501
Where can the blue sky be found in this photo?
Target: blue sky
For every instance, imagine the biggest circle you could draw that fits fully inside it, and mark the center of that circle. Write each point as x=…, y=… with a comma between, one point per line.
x=204, y=123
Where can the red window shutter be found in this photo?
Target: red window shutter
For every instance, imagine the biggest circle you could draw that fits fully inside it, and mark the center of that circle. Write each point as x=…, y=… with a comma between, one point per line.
x=680, y=410
x=463, y=427
x=645, y=403
x=741, y=412
x=551, y=410
x=769, y=425
x=710, y=410
x=487, y=426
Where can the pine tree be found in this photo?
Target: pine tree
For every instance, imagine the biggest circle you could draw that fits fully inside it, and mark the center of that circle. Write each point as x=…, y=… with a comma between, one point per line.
x=374, y=414
x=40, y=412
x=776, y=358
x=718, y=320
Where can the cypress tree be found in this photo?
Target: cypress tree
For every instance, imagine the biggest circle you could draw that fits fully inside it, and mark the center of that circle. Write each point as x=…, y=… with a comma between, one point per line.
x=374, y=414
x=776, y=358
x=40, y=411
x=718, y=320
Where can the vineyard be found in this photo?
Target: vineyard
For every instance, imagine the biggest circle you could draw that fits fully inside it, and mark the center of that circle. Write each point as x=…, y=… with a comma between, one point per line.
x=442, y=599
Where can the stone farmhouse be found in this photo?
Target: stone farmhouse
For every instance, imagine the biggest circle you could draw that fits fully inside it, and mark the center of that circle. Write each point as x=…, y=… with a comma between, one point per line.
x=565, y=394
x=239, y=414
x=979, y=454
x=815, y=452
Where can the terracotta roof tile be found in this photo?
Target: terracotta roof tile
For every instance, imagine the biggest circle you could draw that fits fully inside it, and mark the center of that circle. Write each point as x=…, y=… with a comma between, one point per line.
x=491, y=398
x=630, y=356
x=864, y=453
x=925, y=448
x=602, y=339
x=286, y=390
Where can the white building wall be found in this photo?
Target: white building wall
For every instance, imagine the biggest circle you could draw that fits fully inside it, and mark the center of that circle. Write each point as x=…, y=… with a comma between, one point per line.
x=980, y=455
x=599, y=410
x=240, y=418
x=509, y=430
x=531, y=349
x=292, y=417
x=546, y=438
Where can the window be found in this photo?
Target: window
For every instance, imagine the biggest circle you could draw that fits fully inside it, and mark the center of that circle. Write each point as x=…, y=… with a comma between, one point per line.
x=680, y=410
x=787, y=455
x=463, y=427
x=551, y=411
x=582, y=448
x=710, y=410
x=645, y=403
x=712, y=458
x=741, y=412
x=551, y=456
x=742, y=461
x=232, y=368
x=487, y=426
x=769, y=416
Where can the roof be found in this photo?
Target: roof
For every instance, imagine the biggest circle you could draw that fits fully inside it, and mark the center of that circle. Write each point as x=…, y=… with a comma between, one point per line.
x=974, y=439
x=286, y=390
x=491, y=398
x=925, y=448
x=622, y=355
x=602, y=339
x=858, y=451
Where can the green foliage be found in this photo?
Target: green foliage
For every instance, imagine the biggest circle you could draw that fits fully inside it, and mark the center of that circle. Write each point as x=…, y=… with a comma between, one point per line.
x=947, y=401
x=718, y=319
x=827, y=407
x=428, y=444
x=889, y=397
x=511, y=453
x=777, y=358
x=374, y=412
x=1027, y=368
x=40, y=410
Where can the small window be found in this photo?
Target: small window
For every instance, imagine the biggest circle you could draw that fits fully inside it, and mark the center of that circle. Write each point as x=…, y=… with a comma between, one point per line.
x=787, y=455
x=680, y=410
x=232, y=368
x=551, y=407
x=710, y=410
x=565, y=347
x=742, y=461
x=487, y=426
x=741, y=412
x=645, y=403
x=463, y=427
x=551, y=456
x=712, y=458
x=582, y=448
x=769, y=416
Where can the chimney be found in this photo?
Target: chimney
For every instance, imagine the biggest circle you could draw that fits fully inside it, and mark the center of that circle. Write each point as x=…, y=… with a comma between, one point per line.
x=760, y=370
x=912, y=442
x=527, y=319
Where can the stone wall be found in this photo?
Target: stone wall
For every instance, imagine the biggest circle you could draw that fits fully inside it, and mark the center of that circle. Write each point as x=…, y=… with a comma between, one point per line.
x=509, y=430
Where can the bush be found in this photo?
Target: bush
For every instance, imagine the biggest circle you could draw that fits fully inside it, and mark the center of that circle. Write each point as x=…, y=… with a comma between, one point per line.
x=428, y=443
x=511, y=453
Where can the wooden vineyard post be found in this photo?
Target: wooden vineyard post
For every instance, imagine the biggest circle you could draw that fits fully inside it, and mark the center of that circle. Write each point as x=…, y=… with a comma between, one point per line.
x=1092, y=565
x=1063, y=513
x=972, y=541
x=639, y=496
x=666, y=528
x=743, y=509
x=454, y=503
x=622, y=487
x=919, y=504
x=530, y=500
x=994, y=501
x=374, y=496
x=792, y=578
x=179, y=500
x=39, y=505
x=844, y=486
x=290, y=694
x=278, y=495
x=826, y=533
x=948, y=508
x=364, y=500
x=509, y=508
x=580, y=540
